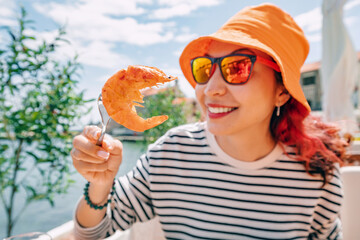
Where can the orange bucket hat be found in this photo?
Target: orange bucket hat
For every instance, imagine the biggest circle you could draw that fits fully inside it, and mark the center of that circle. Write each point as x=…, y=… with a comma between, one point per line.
x=266, y=28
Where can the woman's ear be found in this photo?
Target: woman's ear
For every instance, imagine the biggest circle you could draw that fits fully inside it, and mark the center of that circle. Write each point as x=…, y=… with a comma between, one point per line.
x=282, y=95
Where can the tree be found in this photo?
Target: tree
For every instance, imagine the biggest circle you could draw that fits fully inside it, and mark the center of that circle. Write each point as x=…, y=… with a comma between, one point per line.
x=38, y=107
x=162, y=103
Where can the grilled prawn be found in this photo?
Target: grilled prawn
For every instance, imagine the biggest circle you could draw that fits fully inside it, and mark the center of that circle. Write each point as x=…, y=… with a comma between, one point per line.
x=121, y=94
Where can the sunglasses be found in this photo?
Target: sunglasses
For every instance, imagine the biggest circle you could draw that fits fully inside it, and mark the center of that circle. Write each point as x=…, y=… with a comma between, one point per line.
x=235, y=68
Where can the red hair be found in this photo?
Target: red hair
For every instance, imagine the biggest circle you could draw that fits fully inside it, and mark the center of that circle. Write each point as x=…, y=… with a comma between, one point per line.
x=318, y=144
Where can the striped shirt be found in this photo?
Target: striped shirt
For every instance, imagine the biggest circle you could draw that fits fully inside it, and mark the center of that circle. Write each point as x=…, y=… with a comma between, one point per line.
x=200, y=192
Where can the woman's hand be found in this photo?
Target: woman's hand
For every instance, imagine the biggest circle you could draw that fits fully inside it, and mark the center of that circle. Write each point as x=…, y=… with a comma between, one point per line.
x=98, y=165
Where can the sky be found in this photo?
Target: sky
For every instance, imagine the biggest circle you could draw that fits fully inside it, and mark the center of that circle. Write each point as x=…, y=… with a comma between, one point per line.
x=109, y=35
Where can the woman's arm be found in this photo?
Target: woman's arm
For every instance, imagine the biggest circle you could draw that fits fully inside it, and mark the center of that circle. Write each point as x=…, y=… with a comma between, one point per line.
x=131, y=201
x=98, y=165
x=326, y=222
x=87, y=216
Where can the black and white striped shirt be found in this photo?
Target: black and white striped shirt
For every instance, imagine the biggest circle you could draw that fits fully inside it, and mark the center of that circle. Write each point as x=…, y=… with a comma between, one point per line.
x=200, y=192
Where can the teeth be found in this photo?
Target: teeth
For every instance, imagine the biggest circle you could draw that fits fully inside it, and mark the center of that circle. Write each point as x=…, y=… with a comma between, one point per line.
x=220, y=110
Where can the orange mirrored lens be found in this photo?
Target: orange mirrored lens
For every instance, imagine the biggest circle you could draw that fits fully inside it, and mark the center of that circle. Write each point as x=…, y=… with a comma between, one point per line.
x=201, y=68
x=236, y=69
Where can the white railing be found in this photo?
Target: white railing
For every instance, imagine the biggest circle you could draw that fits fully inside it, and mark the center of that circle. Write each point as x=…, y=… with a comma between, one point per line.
x=150, y=229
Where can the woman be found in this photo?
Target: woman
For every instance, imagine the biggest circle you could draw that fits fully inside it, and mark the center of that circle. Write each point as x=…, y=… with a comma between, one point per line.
x=255, y=169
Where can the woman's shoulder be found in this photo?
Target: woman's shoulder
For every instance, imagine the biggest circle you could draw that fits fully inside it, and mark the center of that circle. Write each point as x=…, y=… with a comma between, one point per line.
x=317, y=166
x=183, y=133
x=189, y=130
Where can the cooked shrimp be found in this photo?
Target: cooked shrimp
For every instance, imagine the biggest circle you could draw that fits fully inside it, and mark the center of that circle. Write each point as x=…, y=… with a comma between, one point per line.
x=121, y=93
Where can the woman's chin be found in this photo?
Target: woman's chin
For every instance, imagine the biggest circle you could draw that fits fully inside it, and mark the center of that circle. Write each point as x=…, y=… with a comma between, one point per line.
x=218, y=129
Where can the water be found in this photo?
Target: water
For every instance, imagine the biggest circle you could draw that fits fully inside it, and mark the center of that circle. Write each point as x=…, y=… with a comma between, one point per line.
x=41, y=217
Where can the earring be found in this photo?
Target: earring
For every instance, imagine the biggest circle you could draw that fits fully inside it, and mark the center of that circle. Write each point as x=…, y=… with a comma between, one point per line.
x=278, y=111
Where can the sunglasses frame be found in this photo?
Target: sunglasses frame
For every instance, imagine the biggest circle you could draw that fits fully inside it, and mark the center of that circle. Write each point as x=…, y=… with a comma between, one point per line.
x=218, y=60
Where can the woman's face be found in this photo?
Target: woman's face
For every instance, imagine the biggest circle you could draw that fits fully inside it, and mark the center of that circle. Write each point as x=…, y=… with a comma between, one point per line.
x=232, y=109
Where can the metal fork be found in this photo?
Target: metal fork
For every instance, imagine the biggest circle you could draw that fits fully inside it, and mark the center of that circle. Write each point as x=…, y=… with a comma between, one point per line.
x=105, y=119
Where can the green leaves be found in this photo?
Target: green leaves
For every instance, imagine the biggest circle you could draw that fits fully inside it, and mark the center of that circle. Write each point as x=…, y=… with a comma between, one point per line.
x=38, y=107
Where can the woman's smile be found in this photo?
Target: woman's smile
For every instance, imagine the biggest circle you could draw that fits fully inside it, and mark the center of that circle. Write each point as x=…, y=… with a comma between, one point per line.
x=218, y=111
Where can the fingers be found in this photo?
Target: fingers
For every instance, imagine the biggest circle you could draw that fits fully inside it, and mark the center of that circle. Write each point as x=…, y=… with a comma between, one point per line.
x=84, y=167
x=83, y=144
x=85, y=164
x=110, y=144
x=92, y=133
x=113, y=146
x=92, y=160
x=81, y=156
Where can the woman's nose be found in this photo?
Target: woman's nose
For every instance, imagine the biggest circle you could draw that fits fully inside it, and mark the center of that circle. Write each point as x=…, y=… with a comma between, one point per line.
x=216, y=86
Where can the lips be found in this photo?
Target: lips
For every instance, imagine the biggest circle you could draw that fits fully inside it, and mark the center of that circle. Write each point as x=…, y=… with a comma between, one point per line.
x=218, y=111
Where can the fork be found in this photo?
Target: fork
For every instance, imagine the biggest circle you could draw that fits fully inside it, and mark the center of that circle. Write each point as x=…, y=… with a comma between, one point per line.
x=105, y=119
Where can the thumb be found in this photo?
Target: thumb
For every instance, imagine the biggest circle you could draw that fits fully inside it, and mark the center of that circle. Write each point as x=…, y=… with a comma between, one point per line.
x=113, y=146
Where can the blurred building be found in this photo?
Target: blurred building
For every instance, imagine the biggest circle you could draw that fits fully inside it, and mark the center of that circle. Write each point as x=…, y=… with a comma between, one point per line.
x=311, y=84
